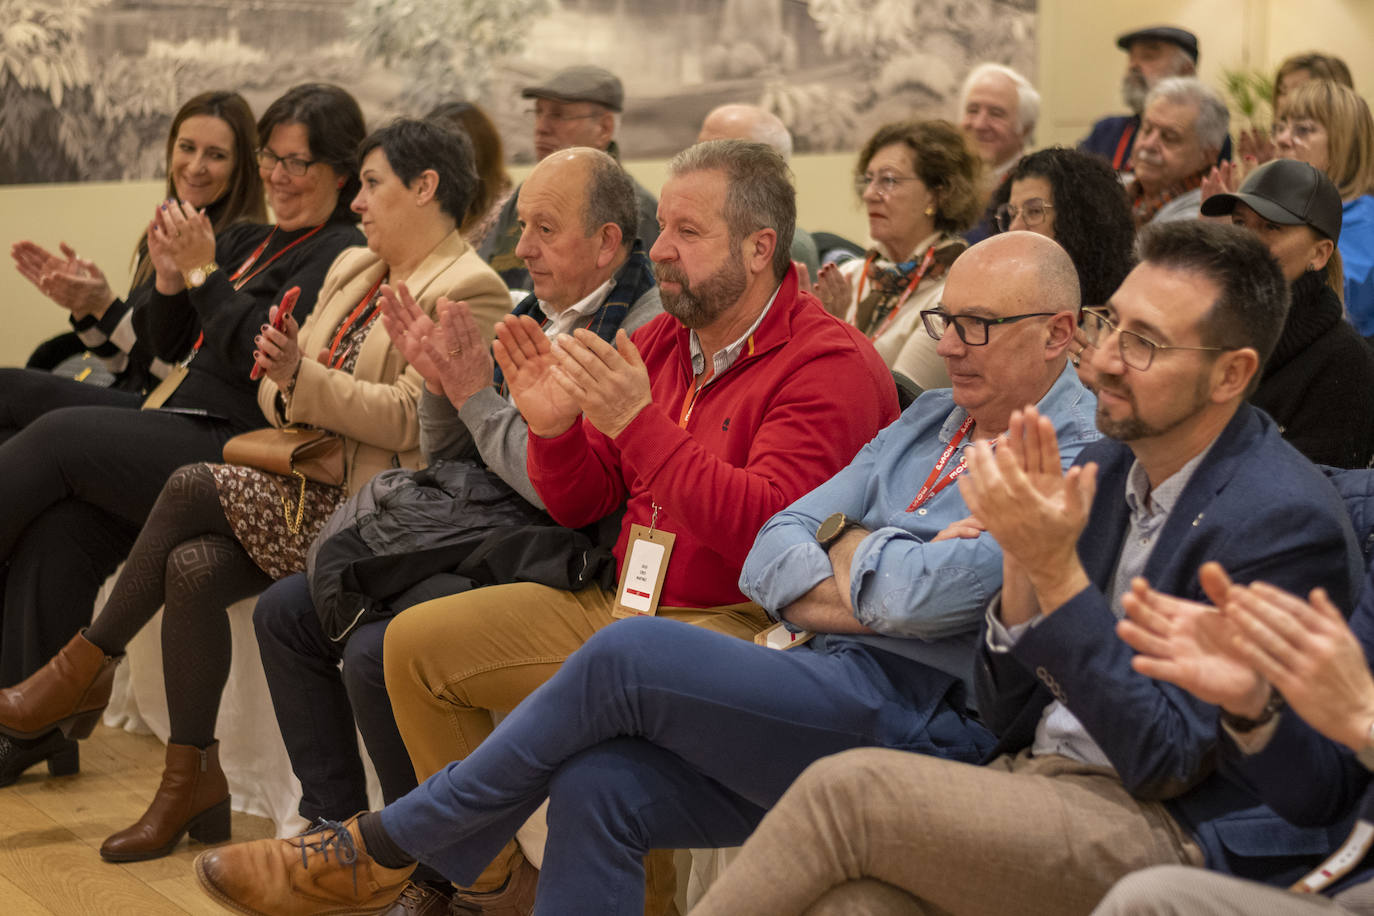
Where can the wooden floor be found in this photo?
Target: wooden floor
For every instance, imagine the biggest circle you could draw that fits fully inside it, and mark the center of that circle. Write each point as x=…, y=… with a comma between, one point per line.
x=51, y=830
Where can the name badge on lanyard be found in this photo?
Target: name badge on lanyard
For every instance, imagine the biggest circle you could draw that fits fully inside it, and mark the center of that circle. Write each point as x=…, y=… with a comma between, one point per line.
x=642, y=573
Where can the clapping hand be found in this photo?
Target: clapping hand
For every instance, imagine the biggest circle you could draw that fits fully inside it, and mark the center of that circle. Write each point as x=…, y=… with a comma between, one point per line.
x=1031, y=506
x=1188, y=643
x=74, y=283
x=527, y=361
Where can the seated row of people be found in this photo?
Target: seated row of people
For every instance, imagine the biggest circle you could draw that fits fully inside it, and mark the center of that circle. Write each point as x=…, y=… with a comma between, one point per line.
x=597, y=428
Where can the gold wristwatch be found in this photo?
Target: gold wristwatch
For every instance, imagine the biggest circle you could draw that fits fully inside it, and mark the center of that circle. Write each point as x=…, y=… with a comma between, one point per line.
x=197, y=277
x=832, y=528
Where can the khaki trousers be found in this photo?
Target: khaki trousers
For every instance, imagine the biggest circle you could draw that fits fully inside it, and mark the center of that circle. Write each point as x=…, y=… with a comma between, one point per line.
x=1025, y=835
x=1172, y=890
x=452, y=662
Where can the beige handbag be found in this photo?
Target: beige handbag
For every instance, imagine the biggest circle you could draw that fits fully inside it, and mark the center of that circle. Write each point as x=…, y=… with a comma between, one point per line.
x=292, y=451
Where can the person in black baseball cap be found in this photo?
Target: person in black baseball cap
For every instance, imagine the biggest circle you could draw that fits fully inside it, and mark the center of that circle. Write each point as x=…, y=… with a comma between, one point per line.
x=1316, y=383
x=1153, y=53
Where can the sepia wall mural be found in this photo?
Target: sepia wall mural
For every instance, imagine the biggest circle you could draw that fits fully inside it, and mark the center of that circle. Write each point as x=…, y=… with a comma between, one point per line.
x=87, y=87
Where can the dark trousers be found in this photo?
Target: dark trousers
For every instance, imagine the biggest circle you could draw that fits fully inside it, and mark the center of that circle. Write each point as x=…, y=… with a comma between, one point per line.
x=317, y=703
x=661, y=735
x=75, y=486
x=27, y=394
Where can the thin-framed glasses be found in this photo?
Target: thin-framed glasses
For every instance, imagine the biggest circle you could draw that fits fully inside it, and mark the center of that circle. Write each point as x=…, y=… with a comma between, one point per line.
x=1032, y=213
x=972, y=329
x=1137, y=351
x=883, y=184
x=267, y=161
x=557, y=114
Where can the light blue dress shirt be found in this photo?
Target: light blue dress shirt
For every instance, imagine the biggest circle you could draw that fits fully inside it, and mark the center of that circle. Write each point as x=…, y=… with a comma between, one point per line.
x=903, y=583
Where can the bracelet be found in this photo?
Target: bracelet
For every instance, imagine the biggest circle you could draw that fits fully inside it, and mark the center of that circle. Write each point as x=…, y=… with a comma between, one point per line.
x=1241, y=724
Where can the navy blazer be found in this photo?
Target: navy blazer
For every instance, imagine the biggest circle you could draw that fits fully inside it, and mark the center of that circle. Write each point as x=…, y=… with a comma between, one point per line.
x=1263, y=511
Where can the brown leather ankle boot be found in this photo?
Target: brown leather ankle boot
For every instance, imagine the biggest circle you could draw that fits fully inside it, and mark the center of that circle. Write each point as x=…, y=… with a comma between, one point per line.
x=69, y=693
x=193, y=798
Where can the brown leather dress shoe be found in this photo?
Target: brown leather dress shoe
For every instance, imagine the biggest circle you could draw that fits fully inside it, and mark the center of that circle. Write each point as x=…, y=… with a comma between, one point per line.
x=515, y=899
x=422, y=900
x=325, y=870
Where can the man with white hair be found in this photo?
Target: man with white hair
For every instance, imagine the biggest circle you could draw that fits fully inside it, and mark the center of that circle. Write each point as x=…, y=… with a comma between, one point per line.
x=735, y=121
x=1182, y=129
x=998, y=108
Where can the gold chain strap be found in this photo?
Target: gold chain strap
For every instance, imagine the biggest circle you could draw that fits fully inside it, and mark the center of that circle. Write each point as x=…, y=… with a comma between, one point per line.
x=294, y=526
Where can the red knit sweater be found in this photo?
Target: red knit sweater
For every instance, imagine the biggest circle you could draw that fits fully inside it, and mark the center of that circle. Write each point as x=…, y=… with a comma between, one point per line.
x=807, y=392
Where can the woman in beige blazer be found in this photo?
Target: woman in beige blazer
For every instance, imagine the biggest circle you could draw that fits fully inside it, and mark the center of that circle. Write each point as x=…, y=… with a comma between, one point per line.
x=220, y=533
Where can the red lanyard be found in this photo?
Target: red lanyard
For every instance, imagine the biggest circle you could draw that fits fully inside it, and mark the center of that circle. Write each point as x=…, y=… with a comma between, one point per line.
x=252, y=259
x=930, y=487
x=916, y=277
x=347, y=324
x=257, y=253
x=1121, y=145
x=689, y=401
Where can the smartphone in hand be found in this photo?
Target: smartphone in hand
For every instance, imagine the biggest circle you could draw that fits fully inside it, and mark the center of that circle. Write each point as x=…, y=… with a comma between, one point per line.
x=288, y=302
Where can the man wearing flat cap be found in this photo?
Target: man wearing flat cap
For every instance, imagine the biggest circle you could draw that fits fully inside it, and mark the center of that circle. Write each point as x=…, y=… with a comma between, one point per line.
x=1152, y=54
x=577, y=106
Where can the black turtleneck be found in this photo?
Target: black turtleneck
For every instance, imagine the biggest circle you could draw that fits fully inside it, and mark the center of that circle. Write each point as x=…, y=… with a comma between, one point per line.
x=1319, y=383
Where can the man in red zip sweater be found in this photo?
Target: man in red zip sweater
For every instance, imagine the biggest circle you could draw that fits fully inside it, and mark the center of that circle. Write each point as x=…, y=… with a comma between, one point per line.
x=742, y=398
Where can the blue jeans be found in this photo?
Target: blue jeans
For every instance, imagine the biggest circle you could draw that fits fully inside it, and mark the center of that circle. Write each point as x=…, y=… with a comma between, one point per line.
x=658, y=734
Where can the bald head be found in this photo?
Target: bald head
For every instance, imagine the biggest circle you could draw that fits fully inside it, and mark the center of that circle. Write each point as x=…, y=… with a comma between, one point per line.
x=747, y=122
x=1005, y=365
x=1030, y=272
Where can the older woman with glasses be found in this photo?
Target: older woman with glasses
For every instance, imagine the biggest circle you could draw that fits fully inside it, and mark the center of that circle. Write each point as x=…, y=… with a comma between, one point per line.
x=1329, y=126
x=918, y=181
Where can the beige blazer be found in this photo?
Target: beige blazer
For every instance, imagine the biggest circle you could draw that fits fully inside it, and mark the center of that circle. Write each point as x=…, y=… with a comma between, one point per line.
x=374, y=408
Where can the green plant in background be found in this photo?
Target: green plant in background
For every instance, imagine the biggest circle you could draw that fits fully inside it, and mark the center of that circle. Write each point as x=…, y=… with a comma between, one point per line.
x=446, y=48
x=1250, y=94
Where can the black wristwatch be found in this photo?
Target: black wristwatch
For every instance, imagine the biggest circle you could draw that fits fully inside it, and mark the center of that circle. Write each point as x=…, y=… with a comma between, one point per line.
x=1243, y=725
x=833, y=528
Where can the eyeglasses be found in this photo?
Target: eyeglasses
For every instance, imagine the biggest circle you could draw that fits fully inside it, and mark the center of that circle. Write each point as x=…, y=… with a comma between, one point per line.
x=267, y=161
x=557, y=114
x=885, y=184
x=1136, y=351
x=972, y=329
x=1032, y=213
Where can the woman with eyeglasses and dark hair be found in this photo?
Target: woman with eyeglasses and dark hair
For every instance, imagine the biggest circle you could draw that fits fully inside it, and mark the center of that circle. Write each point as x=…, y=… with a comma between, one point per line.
x=1076, y=199
x=210, y=165
x=1317, y=382
x=78, y=483
x=918, y=181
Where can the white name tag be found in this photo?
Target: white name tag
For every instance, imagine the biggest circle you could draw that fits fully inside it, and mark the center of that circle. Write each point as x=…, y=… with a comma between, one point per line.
x=779, y=637
x=641, y=576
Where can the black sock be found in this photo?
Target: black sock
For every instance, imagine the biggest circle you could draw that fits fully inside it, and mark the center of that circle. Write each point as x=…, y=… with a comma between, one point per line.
x=380, y=846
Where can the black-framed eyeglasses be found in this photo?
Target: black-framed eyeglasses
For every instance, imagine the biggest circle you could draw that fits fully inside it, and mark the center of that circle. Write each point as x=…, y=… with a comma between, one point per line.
x=267, y=161
x=972, y=329
x=1032, y=213
x=884, y=184
x=1136, y=351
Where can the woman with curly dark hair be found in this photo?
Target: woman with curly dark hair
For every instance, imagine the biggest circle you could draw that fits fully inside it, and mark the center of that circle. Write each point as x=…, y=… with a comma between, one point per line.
x=1076, y=199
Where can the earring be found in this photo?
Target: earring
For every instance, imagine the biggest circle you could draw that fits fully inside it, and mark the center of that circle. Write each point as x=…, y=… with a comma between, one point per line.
x=930, y=211
x=342, y=182
x=1311, y=268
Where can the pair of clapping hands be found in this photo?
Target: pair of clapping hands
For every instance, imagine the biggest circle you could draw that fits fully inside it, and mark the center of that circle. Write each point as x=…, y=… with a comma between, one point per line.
x=1251, y=640
x=552, y=383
